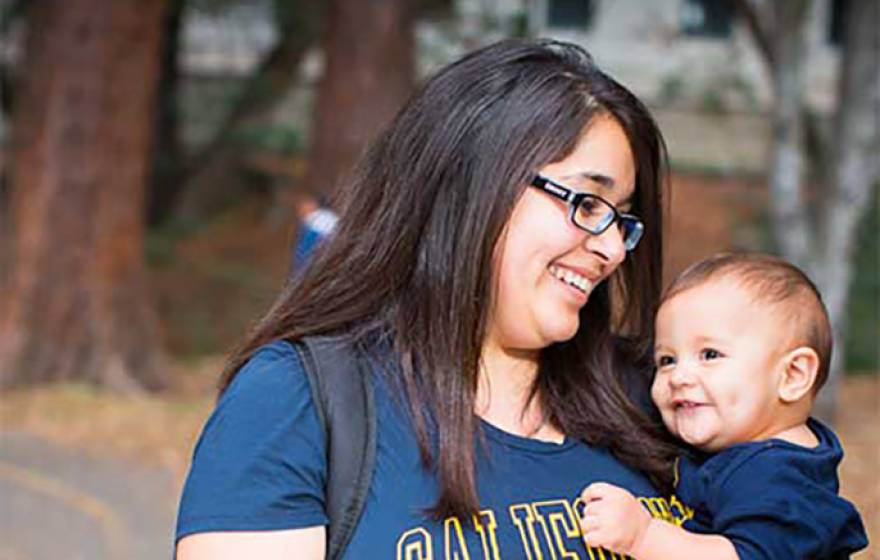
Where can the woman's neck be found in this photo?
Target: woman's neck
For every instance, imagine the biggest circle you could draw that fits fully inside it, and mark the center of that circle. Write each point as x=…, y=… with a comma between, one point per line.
x=504, y=386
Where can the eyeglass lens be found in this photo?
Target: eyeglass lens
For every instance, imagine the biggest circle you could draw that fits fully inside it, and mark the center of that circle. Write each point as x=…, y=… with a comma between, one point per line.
x=595, y=215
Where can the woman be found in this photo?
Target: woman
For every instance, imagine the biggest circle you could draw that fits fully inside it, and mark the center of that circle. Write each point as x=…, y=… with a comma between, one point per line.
x=504, y=306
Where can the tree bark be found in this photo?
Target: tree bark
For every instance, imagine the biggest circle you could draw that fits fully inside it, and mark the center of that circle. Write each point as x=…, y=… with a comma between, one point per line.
x=759, y=19
x=791, y=226
x=854, y=171
x=369, y=72
x=76, y=306
x=824, y=247
x=754, y=22
x=168, y=155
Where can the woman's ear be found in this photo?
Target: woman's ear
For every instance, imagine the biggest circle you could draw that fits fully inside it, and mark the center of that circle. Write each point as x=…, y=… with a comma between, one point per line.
x=800, y=367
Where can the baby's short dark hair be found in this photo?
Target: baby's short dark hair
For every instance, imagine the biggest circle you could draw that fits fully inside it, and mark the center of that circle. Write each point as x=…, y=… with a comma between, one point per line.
x=776, y=282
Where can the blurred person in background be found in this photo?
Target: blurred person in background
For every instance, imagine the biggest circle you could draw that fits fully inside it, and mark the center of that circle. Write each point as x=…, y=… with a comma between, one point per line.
x=316, y=223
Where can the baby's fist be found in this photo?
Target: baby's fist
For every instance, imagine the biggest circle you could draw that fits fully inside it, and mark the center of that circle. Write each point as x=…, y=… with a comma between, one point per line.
x=613, y=518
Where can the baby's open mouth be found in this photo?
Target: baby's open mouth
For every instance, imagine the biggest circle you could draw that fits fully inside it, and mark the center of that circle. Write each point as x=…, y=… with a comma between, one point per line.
x=686, y=405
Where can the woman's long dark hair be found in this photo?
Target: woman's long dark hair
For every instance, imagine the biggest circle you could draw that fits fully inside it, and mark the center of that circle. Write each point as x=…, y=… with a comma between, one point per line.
x=412, y=260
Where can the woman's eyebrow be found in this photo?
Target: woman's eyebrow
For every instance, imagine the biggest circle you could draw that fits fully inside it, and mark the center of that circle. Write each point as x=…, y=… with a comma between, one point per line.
x=599, y=178
x=605, y=182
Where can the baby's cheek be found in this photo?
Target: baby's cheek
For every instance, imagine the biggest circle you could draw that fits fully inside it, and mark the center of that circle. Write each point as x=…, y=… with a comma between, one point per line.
x=733, y=398
x=658, y=393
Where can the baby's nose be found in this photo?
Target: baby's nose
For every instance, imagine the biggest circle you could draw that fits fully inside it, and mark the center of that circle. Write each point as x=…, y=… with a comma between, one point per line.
x=681, y=375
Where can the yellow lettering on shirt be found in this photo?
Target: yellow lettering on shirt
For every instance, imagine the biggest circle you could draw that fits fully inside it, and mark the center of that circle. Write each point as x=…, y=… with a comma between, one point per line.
x=415, y=544
x=456, y=546
x=485, y=525
x=547, y=529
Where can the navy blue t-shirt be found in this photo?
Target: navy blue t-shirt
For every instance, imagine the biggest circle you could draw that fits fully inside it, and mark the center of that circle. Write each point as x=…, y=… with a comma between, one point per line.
x=260, y=464
x=774, y=499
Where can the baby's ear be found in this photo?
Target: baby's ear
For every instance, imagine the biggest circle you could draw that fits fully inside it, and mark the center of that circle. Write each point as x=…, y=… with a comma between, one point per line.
x=799, y=370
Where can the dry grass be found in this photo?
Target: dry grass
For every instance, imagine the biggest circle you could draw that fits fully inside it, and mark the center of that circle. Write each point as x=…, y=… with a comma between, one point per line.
x=157, y=429
x=857, y=426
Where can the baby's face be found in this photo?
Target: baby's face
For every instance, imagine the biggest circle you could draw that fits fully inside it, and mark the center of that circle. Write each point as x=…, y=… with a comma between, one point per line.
x=719, y=363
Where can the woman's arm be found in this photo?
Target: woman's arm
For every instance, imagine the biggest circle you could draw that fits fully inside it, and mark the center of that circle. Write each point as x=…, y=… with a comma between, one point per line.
x=307, y=543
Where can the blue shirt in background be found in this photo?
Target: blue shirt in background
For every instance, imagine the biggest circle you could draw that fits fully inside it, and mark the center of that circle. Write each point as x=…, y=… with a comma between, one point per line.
x=315, y=227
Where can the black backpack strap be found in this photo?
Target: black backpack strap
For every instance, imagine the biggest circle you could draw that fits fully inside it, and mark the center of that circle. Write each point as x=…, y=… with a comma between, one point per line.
x=339, y=377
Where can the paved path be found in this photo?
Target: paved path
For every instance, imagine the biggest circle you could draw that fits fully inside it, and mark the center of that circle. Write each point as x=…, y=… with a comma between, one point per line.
x=60, y=503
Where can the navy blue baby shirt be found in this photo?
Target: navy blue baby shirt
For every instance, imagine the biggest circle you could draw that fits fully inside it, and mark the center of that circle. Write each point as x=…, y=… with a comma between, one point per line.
x=774, y=499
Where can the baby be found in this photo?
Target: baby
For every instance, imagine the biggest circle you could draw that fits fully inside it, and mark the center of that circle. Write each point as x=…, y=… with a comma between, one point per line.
x=743, y=344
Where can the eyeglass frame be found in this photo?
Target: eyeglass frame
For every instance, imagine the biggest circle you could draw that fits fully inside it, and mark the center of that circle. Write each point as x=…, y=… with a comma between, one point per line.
x=574, y=199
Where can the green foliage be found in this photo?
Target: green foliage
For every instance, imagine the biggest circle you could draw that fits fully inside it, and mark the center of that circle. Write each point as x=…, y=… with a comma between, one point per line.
x=268, y=137
x=161, y=242
x=433, y=9
x=213, y=7
x=862, y=352
x=742, y=88
x=726, y=92
x=520, y=24
x=711, y=101
x=203, y=103
x=10, y=12
x=671, y=89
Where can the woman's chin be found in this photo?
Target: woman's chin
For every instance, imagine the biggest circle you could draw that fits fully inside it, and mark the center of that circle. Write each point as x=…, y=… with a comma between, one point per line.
x=561, y=329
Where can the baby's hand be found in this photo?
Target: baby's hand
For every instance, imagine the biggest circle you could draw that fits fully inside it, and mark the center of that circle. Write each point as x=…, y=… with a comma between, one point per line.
x=613, y=519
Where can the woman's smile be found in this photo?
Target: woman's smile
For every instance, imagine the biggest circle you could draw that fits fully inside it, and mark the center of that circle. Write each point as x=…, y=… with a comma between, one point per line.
x=573, y=281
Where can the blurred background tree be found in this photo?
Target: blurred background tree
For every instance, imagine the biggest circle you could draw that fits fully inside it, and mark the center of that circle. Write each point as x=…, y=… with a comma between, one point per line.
x=196, y=185
x=369, y=73
x=821, y=179
x=76, y=305
x=99, y=115
x=256, y=102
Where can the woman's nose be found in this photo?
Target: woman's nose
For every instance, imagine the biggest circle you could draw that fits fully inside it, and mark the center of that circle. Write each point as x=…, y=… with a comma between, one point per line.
x=608, y=245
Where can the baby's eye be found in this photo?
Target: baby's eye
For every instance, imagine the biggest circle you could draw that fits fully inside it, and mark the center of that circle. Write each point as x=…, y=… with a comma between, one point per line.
x=709, y=354
x=665, y=360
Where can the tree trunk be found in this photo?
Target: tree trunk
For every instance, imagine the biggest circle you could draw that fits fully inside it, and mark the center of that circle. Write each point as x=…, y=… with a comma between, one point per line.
x=76, y=306
x=168, y=157
x=854, y=171
x=368, y=74
x=825, y=247
x=791, y=226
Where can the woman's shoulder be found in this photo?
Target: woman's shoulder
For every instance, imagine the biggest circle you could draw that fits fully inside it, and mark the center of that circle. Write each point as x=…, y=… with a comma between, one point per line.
x=259, y=463
x=269, y=390
x=276, y=364
x=269, y=397
x=273, y=379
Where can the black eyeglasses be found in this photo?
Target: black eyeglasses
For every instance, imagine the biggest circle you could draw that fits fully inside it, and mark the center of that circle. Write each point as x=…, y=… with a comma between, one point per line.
x=592, y=213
